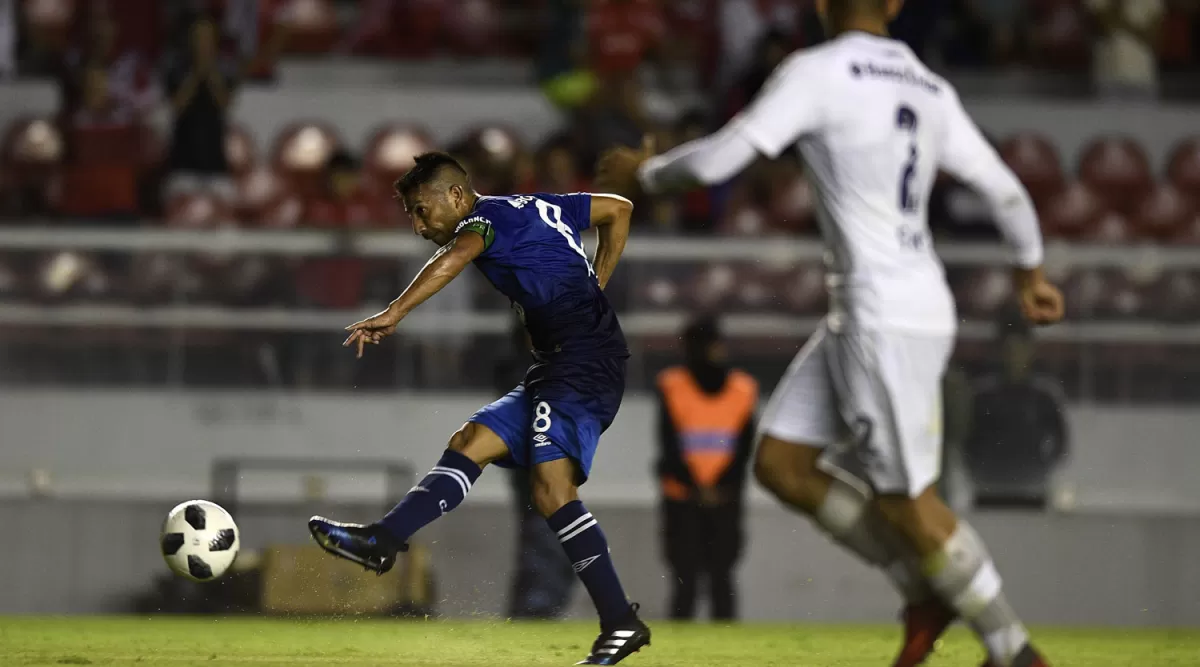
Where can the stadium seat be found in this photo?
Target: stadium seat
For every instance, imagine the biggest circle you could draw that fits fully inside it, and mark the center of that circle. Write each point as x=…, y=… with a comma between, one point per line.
x=390, y=151
x=310, y=25
x=658, y=293
x=743, y=219
x=48, y=23
x=791, y=208
x=1072, y=212
x=1117, y=169
x=257, y=190
x=712, y=287
x=1175, y=297
x=286, y=212
x=1034, y=159
x=241, y=151
x=476, y=28
x=301, y=152
x=802, y=290
x=1163, y=214
x=1183, y=167
x=66, y=275
x=984, y=291
x=1060, y=34
x=1111, y=228
x=198, y=210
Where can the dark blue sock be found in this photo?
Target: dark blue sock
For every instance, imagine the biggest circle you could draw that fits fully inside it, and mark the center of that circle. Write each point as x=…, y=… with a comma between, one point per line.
x=441, y=491
x=587, y=548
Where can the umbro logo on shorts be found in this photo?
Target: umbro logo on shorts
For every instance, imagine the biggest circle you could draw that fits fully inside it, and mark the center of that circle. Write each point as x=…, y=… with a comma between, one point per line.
x=540, y=440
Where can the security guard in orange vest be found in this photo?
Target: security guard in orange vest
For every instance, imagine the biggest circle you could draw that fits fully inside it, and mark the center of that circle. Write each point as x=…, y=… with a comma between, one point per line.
x=706, y=433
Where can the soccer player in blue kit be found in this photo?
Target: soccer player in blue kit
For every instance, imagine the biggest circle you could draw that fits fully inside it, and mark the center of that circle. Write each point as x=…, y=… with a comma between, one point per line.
x=529, y=248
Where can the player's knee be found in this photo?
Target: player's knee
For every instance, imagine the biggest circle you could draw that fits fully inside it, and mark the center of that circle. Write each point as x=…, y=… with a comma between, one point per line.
x=924, y=520
x=460, y=439
x=784, y=468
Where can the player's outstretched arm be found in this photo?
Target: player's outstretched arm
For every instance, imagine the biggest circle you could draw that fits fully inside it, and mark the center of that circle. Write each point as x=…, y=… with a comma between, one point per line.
x=610, y=216
x=967, y=155
x=444, y=266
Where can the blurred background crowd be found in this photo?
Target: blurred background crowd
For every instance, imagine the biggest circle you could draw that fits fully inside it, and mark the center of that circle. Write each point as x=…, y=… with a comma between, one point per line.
x=146, y=135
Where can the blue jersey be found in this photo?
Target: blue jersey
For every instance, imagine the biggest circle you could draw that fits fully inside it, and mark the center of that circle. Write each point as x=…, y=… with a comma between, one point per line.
x=534, y=255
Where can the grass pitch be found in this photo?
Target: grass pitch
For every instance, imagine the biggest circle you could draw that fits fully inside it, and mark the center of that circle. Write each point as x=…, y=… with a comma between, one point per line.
x=214, y=642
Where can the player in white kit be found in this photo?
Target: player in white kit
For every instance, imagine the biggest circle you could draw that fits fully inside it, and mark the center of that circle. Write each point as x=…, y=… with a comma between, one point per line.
x=852, y=436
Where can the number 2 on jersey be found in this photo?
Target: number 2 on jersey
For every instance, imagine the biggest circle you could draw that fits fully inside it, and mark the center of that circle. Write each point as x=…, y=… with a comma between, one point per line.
x=906, y=121
x=552, y=215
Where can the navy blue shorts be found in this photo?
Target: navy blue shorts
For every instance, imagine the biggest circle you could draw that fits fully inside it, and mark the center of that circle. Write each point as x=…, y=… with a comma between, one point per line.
x=558, y=412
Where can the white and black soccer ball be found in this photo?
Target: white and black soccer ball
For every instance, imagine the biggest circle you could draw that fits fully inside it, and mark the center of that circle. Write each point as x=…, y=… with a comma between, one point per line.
x=199, y=540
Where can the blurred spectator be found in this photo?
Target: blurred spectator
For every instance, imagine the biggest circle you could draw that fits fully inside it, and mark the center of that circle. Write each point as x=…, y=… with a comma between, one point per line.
x=105, y=152
x=621, y=35
x=1125, y=45
x=970, y=41
x=1018, y=431
x=557, y=170
x=705, y=435
x=129, y=76
x=201, y=86
x=741, y=26
x=544, y=577
x=772, y=48
x=1178, y=46
x=561, y=61
x=697, y=208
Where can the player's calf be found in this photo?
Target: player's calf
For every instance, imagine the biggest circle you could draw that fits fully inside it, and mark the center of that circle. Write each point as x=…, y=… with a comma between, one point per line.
x=555, y=495
x=442, y=490
x=960, y=570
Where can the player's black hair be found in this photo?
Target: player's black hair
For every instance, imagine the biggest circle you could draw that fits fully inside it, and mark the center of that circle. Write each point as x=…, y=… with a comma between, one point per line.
x=842, y=8
x=426, y=169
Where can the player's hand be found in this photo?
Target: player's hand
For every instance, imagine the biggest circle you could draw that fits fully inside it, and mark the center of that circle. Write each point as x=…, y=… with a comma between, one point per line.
x=371, y=330
x=617, y=168
x=1041, y=302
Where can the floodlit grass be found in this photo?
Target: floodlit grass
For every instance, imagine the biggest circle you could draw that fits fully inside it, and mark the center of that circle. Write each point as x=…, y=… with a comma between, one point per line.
x=175, y=641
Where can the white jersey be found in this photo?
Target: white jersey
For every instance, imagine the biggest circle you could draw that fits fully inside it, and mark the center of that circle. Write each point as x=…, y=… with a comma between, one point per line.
x=874, y=127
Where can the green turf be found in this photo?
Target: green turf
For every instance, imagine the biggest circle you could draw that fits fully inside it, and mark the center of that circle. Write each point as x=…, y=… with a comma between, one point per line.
x=212, y=642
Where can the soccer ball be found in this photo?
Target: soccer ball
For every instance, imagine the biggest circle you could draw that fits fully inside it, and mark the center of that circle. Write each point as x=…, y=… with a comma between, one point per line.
x=199, y=540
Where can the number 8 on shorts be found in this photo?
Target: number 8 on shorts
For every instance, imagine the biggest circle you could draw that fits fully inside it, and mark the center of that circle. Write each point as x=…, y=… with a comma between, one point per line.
x=541, y=417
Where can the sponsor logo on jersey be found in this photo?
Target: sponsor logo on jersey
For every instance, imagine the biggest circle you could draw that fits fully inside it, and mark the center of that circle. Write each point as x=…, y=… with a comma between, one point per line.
x=473, y=222
x=520, y=201
x=899, y=74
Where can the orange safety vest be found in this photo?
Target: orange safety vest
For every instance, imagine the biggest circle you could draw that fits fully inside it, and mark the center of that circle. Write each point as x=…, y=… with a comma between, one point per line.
x=708, y=425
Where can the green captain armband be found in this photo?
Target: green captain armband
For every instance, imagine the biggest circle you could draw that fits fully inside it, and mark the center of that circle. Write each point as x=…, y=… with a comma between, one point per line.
x=481, y=226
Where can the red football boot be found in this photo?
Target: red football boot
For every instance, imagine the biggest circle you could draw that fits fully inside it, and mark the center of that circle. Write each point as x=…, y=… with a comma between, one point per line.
x=923, y=624
x=1028, y=657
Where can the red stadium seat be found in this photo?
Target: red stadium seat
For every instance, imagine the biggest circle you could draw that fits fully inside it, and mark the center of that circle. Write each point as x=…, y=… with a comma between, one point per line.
x=985, y=291
x=1183, y=167
x=391, y=149
x=1163, y=214
x=497, y=144
x=198, y=210
x=1111, y=229
x=1175, y=296
x=713, y=287
x=1117, y=169
x=1035, y=161
x=69, y=274
x=49, y=22
x=311, y=26
x=475, y=28
x=792, y=205
x=1085, y=292
x=1060, y=34
x=1072, y=212
x=287, y=212
x=257, y=190
x=743, y=219
x=305, y=146
x=802, y=290
x=240, y=150
x=301, y=152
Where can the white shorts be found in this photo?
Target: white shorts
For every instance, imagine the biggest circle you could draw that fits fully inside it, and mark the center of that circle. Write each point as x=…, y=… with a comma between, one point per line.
x=873, y=400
